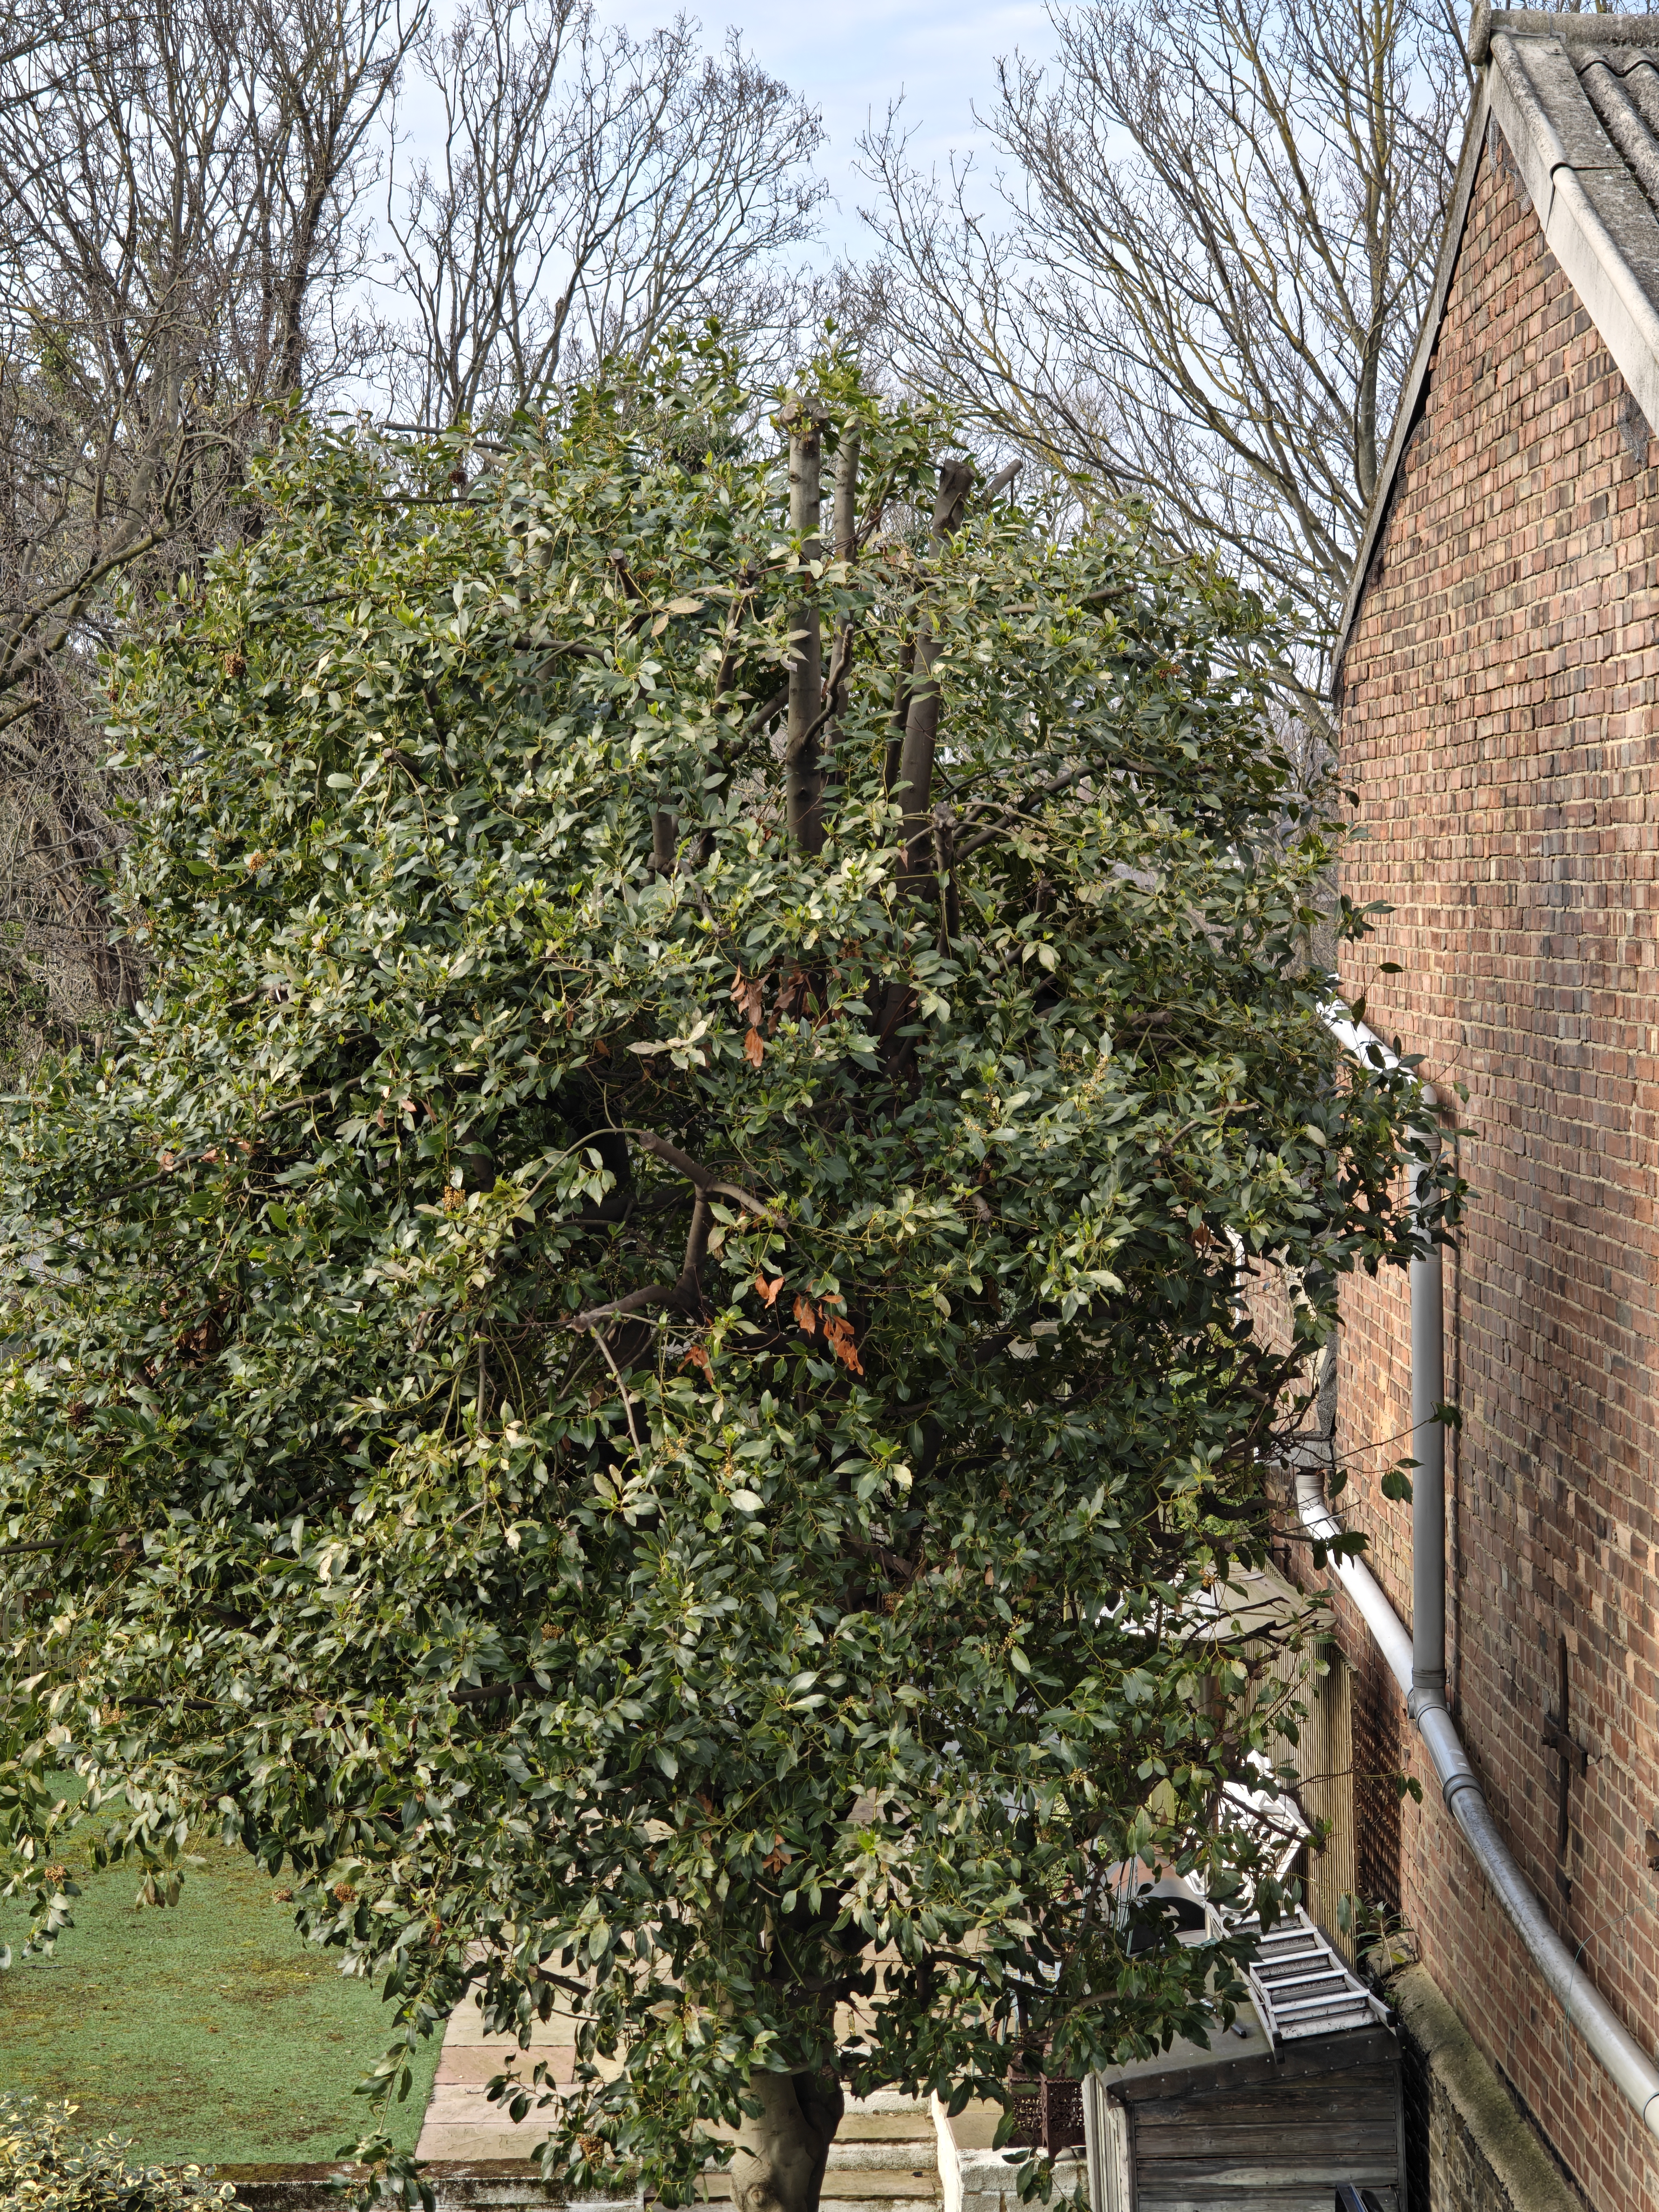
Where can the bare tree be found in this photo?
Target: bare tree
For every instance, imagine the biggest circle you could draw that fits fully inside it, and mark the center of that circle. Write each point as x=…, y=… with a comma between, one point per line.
x=591, y=191
x=177, y=194
x=1201, y=279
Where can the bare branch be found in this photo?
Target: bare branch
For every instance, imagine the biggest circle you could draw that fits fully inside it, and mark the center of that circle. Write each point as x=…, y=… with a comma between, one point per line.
x=1008, y=815
x=177, y=196
x=1206, y=270
x=591, y=191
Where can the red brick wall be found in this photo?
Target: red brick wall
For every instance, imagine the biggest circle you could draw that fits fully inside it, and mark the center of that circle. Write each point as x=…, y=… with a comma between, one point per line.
x=1499, y=726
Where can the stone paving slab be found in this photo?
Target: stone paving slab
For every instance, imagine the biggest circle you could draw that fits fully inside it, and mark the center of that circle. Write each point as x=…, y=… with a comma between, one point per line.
x=482, y=2060
x=460, y=2144
x=466, y=2027
x=460, y=2122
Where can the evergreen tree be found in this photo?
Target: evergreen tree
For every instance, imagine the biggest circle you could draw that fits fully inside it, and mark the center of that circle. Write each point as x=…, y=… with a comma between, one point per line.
x=633, y=1362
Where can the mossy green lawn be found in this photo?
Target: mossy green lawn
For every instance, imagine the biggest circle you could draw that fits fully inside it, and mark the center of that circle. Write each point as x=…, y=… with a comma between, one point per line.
x=209, y=2031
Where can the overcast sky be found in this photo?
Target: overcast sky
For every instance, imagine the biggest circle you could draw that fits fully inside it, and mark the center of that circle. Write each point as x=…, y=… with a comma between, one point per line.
x=852, y=57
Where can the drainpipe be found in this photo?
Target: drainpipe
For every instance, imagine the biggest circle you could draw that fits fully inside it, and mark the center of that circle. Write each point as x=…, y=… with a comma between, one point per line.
x=1428, y=1450
x=1418, y=1661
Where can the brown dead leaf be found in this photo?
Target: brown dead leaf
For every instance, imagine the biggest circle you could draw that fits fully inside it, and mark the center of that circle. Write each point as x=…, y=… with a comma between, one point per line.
x=806, y=1315
x=838, y=1334
x=754, y=1047
x=697, y=1356
x=795, y=992
x=769, y=1291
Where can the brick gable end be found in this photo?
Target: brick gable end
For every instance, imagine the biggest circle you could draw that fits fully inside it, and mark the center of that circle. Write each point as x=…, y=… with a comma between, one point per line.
x=1498, y=723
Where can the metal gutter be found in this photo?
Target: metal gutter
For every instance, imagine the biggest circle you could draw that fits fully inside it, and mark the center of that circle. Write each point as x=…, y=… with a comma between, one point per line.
x=1417, y=1663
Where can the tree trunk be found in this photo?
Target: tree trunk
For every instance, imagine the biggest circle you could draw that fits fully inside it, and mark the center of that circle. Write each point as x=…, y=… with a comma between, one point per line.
x=807, y=668
x=920, y=742
x=781, y=2157
x=846, y=496
x=915, y=769
x=846, y=527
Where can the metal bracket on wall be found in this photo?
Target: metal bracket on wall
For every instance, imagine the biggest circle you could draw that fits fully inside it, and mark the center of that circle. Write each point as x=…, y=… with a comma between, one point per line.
x=1575, y=1759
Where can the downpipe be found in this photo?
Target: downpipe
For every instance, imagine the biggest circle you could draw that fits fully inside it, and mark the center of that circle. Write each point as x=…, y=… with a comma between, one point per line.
x=1417, y=1660
x=1428, y=1689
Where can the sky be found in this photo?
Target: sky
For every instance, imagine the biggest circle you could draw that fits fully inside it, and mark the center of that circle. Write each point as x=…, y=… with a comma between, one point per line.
x=851, y=58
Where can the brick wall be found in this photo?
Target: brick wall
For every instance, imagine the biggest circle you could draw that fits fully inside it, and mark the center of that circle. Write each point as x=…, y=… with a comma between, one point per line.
x=1498, y=725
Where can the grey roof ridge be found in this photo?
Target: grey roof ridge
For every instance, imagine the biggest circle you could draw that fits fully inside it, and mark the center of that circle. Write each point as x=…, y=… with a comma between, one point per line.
x=1573, y=30
x=1593, y=215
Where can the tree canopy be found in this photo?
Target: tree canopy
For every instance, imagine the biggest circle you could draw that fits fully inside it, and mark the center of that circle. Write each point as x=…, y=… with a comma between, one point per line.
x=632, y=1362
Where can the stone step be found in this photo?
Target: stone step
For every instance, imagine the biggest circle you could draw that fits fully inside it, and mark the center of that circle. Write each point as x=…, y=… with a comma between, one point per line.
x=871, y=2203
x=884, y=2157
x=859, y=2126
x=846, y=2199
x=856, y=2185
x=895, y=2144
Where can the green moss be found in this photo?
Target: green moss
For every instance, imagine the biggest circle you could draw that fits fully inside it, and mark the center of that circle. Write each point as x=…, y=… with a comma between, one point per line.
x=209, y=2031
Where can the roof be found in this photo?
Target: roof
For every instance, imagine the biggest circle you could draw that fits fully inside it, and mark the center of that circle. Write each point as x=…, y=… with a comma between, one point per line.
x=1300, y=1992
x=1576, y=97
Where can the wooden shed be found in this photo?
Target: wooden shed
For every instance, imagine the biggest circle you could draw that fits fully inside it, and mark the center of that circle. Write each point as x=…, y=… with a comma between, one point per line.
x=1277, y=2118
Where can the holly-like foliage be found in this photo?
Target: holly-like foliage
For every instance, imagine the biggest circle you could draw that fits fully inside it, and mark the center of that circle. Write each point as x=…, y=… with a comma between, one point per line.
x=45, y=2167
x=653, y=1411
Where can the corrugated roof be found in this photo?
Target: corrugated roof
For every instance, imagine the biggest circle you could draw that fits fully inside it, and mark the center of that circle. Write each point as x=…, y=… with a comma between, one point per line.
x=1576, y=97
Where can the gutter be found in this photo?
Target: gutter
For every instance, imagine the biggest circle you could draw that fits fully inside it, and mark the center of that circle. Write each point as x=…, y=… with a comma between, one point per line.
x=1417, y=1659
